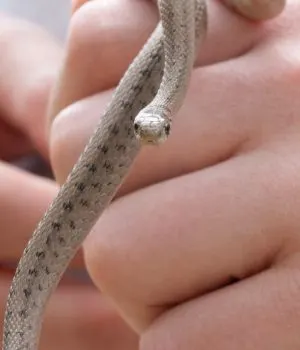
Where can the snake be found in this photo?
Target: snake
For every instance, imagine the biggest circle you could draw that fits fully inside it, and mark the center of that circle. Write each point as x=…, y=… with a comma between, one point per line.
x=140, y=113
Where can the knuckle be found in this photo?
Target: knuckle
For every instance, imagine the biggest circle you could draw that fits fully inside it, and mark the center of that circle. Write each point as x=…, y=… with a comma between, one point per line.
x=36, y=99
x=285, y=298
x=256, y=9
x=61, y=145
x=104, y=260
x=87, y=27
x=156, y=337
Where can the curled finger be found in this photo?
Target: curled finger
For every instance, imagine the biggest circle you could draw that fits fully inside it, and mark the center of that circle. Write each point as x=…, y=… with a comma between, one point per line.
x=257, y=9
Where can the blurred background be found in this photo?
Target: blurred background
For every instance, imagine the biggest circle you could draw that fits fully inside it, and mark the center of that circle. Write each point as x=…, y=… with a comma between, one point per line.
x=52, y=14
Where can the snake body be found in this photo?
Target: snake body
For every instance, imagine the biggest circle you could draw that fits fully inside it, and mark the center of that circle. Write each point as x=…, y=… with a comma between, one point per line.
x=149, y=94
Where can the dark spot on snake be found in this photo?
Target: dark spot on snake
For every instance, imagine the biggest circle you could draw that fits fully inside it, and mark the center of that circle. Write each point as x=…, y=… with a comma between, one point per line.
x=40, y=255
x=123, y=105
x=144, y=72
x=155, y=56
x=115, y=130
x=40, y=287
x=107, y=165
x=56, y=226
x=9, y=314
x=24, y=347
x=72, y=225
x=68, y=206
x=126, y=104
x=11, y=293
x=21, y=334
x=121, y=147
x=33, y=272
x=23, y=313
x=96, y=185
x=27, y=292
x=47, y=270
x=84, y=202
x=143, y=103
x=61, y=240
x=56, y=254
x=153, y=90
x=92, y=168
x=7, y=334
x=80, y=186
x=104, y=149
x=147, y=73
x=137, y=88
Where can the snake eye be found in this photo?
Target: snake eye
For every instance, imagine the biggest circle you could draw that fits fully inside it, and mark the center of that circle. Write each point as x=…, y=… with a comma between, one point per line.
x=167, y=129
x=136, y=126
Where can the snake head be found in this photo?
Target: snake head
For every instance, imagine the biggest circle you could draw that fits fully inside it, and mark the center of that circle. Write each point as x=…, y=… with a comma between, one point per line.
x=152, y=127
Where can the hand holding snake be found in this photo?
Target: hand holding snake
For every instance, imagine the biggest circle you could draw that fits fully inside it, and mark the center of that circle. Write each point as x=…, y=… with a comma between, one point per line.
x=56, y=228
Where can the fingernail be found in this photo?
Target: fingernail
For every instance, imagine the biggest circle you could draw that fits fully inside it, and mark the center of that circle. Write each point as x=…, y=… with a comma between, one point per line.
x=257, y=10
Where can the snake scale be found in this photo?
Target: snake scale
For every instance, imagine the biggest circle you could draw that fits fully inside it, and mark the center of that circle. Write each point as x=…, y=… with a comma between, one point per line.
x=148, y=96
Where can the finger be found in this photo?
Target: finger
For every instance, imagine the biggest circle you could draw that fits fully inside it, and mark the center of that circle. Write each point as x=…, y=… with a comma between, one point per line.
x=23, y=201
x=28, y=66
x=252, y=9
x=257, y=9
x=24, y=198
x=108, y=35
x=223, y=222
x=78, y=318
x=261, y=313
x=98, y=50
x=76, y=4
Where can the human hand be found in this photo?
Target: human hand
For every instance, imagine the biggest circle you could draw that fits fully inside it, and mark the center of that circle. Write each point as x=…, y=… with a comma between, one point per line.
x=216, y=203
x=29, y=63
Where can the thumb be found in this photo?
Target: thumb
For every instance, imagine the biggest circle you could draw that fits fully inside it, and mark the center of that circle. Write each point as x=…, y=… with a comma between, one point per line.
x=257, y=10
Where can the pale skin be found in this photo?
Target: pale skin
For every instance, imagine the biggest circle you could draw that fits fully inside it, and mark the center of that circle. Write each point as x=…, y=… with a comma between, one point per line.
x=238, y=218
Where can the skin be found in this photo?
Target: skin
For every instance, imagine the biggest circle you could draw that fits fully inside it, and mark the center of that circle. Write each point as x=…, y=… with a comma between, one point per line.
x=256, y=9
x=76, y=101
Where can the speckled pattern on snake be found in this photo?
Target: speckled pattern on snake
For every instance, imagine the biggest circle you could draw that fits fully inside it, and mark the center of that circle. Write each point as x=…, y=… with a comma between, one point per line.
x=148, y=96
